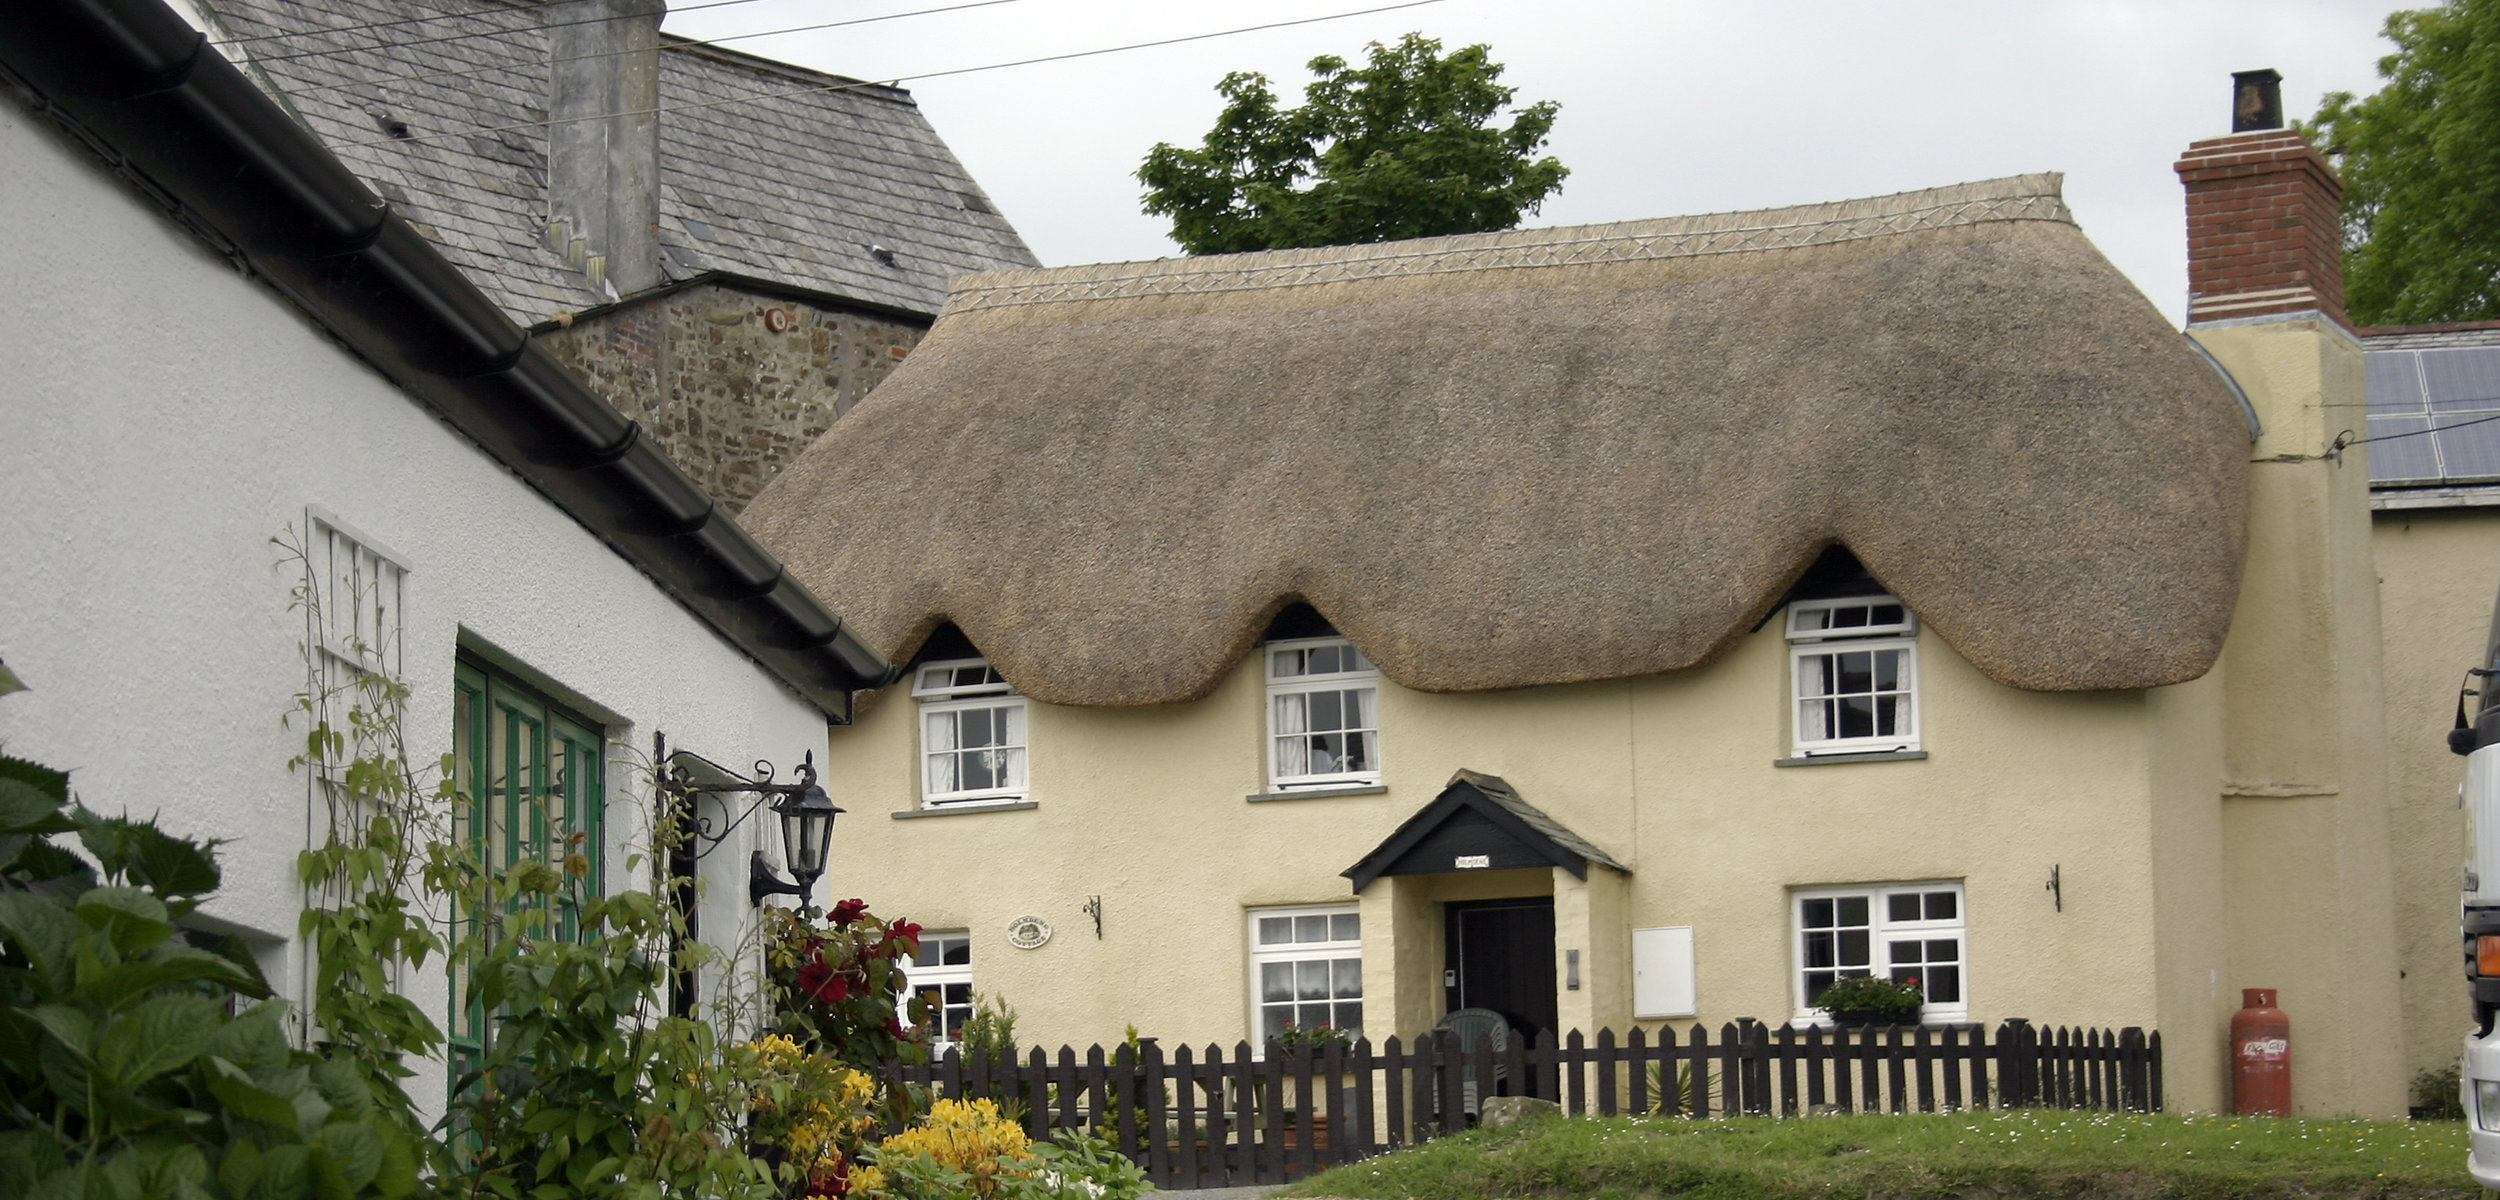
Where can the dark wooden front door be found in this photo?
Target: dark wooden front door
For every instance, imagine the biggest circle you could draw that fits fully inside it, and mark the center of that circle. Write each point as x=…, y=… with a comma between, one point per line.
x=1501, y=957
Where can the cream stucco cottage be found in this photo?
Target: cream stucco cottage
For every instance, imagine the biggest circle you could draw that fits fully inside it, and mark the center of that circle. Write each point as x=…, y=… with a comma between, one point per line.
x=1632, y=623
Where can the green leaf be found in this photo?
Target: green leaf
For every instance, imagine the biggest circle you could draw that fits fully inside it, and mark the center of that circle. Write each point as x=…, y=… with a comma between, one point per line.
x=71, y=1029
x=31, y=797
x=286, y=1173
x=254, y=1042
x=395, y=1176
x=240, y=1173
x=249, y=1100
x=43, y=862
x=171, y=964
x=130, y=919
x=40, y=930
x=160, y=1035
x=354, y=1151
x=173, y=866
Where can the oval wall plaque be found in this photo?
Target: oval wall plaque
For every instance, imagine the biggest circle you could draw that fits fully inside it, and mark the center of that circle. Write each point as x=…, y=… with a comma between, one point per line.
x=1028, y=933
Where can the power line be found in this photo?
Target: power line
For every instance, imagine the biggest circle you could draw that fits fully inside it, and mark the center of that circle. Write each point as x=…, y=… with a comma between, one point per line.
x=448, y=37
x=2389, y=437
x=380, y=79
x=845, y=87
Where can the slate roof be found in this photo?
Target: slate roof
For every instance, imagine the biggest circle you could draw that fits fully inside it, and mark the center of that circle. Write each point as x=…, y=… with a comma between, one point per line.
x=785, y=184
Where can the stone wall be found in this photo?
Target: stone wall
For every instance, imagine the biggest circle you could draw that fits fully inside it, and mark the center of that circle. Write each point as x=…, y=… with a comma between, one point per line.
x=733, y=384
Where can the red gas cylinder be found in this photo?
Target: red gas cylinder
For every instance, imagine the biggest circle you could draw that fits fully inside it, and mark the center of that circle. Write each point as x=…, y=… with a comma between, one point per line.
x=2261, y=1056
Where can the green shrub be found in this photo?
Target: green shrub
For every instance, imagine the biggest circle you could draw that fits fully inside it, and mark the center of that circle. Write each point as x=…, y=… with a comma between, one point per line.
x=2436, y=1096
x=136, y=1064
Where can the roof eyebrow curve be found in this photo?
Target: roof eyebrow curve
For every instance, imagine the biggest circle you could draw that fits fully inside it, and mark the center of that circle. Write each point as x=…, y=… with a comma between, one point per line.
x=1546, y=456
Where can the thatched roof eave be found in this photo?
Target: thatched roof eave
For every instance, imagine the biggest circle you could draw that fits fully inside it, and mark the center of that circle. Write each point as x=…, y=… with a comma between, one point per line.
x=1543, y=456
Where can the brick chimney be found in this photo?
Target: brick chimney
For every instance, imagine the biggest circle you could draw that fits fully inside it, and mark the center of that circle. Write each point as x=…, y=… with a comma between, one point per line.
x=603, y=140
x=2265, y=231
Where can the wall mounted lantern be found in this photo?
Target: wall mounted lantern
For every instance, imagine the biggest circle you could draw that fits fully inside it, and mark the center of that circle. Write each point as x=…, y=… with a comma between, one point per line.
x=806, y=815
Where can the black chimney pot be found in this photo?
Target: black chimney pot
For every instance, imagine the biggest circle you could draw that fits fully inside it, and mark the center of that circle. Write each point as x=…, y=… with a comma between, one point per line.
x=2256, y=100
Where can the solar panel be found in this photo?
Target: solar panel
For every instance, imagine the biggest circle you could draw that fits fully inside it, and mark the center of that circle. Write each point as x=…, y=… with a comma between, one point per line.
x=2439, y=410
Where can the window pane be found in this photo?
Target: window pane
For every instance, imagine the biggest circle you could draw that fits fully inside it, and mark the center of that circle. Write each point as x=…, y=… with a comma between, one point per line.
x=1942, y=906
x=1818, y=914
x=1310, y=929
x=1819, y=949
x=1310, y=1016
x=1888, y=614
x=1852, y=910
x=1272, y=1021
x=1944, y=985
x=1888, y=670
x=1345, y=927
x=1286, y=663
x=1348, y=1016
x=1275, y=931
x=1275, y=982
x=1904, y=953
x=1887, y=715
x=1902, y=906
x=1943, y=950
x=1348, y=974
x=1327, y=710
x=1854, y=947
x=1813, y=620
x=1324, y=660
x=1311, y=980
x=958, y=952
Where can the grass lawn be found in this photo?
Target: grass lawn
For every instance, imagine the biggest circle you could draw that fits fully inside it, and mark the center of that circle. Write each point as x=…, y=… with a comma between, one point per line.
x=1984, y=1155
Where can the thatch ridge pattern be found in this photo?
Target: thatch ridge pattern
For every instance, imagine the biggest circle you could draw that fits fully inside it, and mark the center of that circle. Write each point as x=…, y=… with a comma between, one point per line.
x=2018, y=198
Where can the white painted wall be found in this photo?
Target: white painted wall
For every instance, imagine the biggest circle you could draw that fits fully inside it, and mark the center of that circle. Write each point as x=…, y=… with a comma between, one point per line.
x=161, y=419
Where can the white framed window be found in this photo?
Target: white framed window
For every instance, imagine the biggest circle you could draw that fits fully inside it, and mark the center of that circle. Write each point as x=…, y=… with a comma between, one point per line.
x=942, y=974
x=972, y=739
x=1323, y=714
x=1854, y=665
x=1900, y=931
x=1306, y=969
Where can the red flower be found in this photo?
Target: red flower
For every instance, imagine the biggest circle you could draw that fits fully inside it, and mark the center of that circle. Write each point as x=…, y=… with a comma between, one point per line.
x=819, y=981
x=848, y=911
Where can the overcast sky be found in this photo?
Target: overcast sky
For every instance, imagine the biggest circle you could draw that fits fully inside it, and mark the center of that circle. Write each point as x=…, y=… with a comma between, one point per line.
x=1667, y=107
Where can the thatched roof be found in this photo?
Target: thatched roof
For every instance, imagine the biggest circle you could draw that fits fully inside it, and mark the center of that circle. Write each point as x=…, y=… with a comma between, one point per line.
x=1543, y=456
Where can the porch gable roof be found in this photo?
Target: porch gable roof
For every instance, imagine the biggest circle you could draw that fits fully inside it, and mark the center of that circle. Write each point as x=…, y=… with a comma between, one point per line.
x=1479, y=816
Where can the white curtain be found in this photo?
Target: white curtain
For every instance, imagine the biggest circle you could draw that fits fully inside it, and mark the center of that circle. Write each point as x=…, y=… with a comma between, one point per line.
x=940, y=744
x=1293, y=753
x=1814, y=717
x=1011, y=760
x=1366, y=747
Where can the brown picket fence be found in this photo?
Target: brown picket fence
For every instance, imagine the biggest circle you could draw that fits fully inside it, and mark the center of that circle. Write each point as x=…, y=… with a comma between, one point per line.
x=1197, y=1119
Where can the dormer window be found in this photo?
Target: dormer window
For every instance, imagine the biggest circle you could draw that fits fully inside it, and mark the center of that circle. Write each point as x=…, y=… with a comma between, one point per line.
x=1855, y=665
x=972, y=738
x=1323, y=714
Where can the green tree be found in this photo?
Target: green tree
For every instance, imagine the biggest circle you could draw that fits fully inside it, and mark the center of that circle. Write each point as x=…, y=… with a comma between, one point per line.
x=1402, y=147
x=2421, y=167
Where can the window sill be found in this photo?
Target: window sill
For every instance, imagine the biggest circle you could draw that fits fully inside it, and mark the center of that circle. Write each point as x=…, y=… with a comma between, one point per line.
x=1818, y=760
x=1321, y=793
x=964, y=810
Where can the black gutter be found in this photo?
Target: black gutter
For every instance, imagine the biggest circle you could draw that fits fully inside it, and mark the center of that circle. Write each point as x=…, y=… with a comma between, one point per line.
x=142, y=89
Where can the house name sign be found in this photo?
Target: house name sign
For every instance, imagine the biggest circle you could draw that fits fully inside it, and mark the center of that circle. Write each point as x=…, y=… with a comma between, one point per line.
x=1472, y=862
x=1028, y=933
